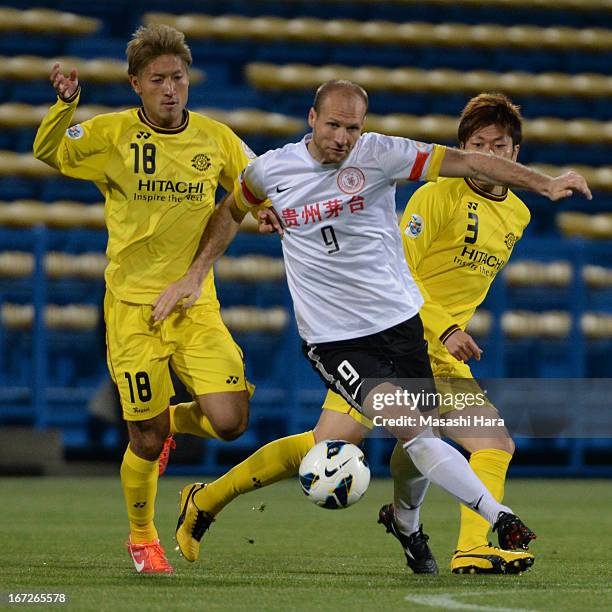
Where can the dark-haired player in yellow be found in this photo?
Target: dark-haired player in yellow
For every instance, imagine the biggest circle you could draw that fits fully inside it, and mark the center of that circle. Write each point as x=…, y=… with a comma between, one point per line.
x=457, y=234
x=158, y=167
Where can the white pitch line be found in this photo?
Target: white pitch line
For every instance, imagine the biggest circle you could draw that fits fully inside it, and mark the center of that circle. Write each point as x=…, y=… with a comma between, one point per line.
x=447, y=602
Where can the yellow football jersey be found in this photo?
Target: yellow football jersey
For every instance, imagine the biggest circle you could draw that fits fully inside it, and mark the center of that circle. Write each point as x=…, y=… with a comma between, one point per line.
x=159, y=186
x=456, y=238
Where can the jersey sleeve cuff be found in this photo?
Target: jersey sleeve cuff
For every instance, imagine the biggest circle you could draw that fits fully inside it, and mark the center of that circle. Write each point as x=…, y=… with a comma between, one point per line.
x=444, y=336
x=245, y=199
x=433, y=171
x=73, y=98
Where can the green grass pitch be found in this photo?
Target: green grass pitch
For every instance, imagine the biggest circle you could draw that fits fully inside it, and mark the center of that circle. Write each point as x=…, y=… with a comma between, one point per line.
x=67, y=535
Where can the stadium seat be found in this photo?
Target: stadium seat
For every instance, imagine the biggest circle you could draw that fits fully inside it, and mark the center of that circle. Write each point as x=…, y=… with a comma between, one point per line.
x=46, y=20
x=596, y=325
x=99, y=70
x=73, y=317
x=27, y=213
x=85, y=317
x=597, y=277
x=533, y=273
x=481, y=323
x=16, y=264
x=383, y=32
x=23, y=164
x=521, y=324
x=245, y=121
x=300, y=76
x=439, y=127
x=575, y=224
x=91, y=265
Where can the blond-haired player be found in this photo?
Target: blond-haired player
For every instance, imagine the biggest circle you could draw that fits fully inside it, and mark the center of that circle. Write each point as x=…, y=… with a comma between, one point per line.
x=158, y=167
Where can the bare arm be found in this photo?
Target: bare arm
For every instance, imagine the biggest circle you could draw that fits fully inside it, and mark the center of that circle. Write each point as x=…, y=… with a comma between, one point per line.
x=217, y=236
x=500, y=171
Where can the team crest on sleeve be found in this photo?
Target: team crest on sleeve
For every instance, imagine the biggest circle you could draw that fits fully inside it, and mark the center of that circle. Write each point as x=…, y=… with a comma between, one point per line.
x=510, y=240
x=248, y=151
x=415, y=226
x=351, y=180
x=75, y=132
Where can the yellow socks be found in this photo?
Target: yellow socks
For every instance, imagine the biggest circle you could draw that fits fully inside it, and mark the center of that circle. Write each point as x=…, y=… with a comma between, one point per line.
x=490, y=465
x=139, y=482
x=271, y=463
x=188, y=419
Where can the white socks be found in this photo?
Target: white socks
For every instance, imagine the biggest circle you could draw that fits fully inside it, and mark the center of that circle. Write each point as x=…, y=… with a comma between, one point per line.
x=409, y=488
x=448, y=468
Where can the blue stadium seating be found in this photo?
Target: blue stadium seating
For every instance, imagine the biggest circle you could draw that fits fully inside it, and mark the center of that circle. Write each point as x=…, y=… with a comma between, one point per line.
x=48, y=376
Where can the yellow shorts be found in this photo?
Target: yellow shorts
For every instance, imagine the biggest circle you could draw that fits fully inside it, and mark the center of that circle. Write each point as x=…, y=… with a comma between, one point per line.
x=334, y=401
x=200, y=348
x=453, y=377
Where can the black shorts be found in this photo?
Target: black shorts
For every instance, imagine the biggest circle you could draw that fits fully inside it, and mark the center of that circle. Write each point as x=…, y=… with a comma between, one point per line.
x=352, y=367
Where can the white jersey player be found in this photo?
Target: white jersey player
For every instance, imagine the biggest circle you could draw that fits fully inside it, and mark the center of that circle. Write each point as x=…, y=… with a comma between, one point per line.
x=342, y=247
x=354, y=298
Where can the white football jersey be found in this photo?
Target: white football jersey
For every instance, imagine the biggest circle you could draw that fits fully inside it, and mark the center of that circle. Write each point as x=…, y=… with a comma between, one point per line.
x=342, y=247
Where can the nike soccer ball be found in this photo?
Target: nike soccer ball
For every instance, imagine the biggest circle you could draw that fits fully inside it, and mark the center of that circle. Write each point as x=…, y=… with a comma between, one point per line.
x=334, y=474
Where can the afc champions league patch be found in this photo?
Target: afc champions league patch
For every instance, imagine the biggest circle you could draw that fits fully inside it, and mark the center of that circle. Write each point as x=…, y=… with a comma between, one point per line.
x=415, y=226
x=248, y=151
x=75, y=132
x=351, y=180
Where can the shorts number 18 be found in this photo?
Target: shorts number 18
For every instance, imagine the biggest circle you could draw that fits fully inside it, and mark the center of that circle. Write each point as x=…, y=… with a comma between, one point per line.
x=143, y=386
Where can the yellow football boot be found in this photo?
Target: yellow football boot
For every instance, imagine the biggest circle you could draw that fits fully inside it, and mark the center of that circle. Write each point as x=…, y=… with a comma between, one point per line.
x=488, y=559
x=192, y=523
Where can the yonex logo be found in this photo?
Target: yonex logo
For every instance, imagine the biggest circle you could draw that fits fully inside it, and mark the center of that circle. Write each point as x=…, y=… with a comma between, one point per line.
x=140, y=504
x=144, y=135
x=232, y=380
x=256, y=483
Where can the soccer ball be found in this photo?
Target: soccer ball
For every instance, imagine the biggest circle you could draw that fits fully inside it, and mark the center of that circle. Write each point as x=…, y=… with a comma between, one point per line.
x=334, y=474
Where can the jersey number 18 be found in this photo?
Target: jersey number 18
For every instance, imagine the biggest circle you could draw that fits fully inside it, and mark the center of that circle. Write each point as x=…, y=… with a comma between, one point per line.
x=147, y=155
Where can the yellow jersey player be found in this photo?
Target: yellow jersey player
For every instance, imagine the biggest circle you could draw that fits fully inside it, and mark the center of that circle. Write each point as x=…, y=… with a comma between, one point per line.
x=158, y=167
x=458, y=234
x=335, y=261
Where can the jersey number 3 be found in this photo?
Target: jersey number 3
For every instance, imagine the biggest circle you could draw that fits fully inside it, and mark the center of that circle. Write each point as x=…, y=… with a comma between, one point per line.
x=147, y=156
x=472, y=228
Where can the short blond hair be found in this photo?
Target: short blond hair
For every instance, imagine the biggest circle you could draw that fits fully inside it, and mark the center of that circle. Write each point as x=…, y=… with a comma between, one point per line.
x=149, y=42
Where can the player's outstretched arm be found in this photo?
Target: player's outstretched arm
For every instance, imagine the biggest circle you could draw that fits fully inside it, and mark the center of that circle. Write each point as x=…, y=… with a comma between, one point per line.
x=217, y=236
x=55, y=123
x=500, y=171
